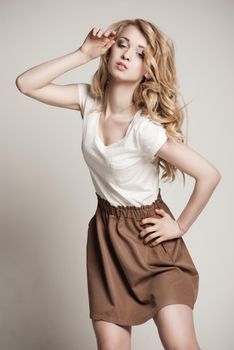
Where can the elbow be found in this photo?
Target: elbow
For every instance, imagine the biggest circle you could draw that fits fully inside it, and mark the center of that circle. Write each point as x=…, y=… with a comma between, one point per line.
x=211, y=178
x=20, y=86
x=215, y=179
x=216, y=176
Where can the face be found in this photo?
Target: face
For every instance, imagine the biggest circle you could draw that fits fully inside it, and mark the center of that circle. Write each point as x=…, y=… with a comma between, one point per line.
x=128, y=49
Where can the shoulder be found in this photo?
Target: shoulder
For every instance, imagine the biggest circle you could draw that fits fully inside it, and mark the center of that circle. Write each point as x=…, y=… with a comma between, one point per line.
x=83, y=90
x=86, y=100
x=151, y=135
x=147, y=125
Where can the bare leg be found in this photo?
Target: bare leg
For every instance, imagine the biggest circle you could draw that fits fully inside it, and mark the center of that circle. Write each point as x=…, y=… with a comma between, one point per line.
x=111, y=336
x=176, y=327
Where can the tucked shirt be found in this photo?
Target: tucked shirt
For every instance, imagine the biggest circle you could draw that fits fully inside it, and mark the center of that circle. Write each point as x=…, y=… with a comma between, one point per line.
x=125, y=172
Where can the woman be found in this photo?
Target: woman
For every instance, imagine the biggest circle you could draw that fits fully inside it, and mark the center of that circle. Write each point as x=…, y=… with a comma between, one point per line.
x=138, y=266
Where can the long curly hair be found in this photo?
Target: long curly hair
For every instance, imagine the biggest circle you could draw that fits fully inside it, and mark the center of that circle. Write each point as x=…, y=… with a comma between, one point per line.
x=157, y=95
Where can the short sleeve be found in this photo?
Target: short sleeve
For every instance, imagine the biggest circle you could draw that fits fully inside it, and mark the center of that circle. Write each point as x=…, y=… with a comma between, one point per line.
x=151, y=137
x=84, y=100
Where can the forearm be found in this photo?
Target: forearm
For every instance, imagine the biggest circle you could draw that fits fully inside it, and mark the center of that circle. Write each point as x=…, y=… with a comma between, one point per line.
x=202, y=191
x=42, y=74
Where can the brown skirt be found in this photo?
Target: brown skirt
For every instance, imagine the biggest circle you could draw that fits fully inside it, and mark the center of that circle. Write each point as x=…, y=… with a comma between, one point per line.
x=129, y=281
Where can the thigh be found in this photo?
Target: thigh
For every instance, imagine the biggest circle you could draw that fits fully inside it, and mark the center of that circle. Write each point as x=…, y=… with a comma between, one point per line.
x=176, y=327
x=111, y=335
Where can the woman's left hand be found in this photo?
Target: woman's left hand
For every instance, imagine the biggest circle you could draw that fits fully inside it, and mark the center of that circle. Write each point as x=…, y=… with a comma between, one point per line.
x=164, y=228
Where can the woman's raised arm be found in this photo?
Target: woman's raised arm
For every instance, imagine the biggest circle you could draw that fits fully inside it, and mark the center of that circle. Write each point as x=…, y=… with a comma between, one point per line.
x=36, y=82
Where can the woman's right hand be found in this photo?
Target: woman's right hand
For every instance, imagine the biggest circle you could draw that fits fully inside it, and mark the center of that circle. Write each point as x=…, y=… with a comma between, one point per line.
x=97, y=42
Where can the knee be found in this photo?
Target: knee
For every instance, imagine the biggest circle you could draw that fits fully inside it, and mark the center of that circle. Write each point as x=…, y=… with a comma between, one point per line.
x=110, y=345
x=184, y=346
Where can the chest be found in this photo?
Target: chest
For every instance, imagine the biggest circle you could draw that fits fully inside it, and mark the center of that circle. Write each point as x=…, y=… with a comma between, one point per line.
x=111, y=130
x=122, y=161
x=104, y=148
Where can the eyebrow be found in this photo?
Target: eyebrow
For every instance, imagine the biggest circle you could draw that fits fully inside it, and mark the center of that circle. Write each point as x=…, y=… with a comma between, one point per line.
x=129, y=41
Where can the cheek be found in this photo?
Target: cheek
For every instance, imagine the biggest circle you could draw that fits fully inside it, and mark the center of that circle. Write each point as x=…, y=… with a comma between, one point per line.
x=139, y=68
x=111, y=59
x=113, y=56
x=114, y=50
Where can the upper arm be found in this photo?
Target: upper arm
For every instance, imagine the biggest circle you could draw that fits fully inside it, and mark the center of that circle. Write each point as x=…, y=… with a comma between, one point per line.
x=187, y=160
x=65, y=96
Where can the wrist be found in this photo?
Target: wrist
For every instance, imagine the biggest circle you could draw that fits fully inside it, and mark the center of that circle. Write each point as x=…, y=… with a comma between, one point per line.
x=181, y=228
x=85, y=57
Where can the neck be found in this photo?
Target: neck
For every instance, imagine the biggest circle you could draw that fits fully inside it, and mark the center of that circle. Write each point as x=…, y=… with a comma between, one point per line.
x=119, y=98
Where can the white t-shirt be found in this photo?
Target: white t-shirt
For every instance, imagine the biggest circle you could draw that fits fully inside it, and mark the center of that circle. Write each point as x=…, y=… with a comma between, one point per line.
x=125, y=172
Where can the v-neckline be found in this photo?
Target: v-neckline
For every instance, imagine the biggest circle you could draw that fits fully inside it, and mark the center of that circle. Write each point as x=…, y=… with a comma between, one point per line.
x=113, y=143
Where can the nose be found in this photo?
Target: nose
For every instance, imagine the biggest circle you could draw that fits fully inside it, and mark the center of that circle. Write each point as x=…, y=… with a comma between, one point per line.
x=127, y=54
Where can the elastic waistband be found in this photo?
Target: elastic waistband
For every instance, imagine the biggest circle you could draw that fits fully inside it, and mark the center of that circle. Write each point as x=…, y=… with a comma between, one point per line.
x=130, y=211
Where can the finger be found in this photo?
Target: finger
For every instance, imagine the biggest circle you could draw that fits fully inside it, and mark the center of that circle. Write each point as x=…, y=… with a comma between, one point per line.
x=161, y=212
x=156, y=242
x=146, y=231
x=150, y=237
x=113, y=33
x=110, y=43
x=150, y=220
x=110, y=32
x=94, y=31
x=99, y=33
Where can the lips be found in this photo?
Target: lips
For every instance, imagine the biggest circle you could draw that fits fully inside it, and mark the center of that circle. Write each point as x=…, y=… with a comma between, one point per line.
x=119, y=63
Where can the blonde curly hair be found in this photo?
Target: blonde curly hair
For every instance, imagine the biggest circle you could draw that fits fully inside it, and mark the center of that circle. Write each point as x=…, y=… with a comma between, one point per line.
x=157, y=95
